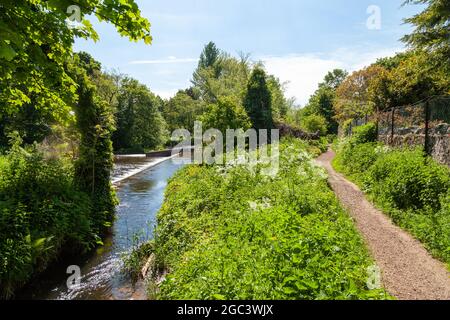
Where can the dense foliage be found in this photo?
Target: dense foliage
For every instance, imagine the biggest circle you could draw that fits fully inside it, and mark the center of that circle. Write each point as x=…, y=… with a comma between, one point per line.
x=55, y=189
x=93, y=167
x=431, y=30
x=411, y=188
x=36, y=42
x=140, y=125
x=234, y=233
x=41, y=211
x=258, y=100
x=321, y=103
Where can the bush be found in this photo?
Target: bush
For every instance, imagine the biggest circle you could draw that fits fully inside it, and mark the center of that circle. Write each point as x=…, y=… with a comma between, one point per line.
x=364, y=134
x=314, y=124
x=355, y=159
x=235, y=233
x=413, y=189
x=405, y=179
x=40, y=212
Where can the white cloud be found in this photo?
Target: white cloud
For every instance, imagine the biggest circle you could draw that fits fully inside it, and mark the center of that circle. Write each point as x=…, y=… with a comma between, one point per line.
x=165, y=94
x=304, y=72
x=169, y=60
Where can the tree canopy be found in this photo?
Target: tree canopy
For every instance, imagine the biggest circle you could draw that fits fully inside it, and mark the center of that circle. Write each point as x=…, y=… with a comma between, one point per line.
x=36, y=43
x=432, y=30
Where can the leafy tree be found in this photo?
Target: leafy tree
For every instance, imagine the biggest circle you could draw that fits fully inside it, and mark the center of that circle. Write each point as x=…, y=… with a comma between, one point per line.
x=258, y=100
x=230, y=82
x=416, y=78
x=322, y=101
x=140, y=124
x=95, y=122
x=314, y=123
x=432, y=32
x=390, y=63
x=280, y=105
x=334, y=78
x=209, y=56
x=209, y=66
x=181, y=111
x=36, y=42
x=352, y=96
x=226, y=114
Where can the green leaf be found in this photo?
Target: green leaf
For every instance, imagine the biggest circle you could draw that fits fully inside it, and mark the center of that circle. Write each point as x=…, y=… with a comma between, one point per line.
x=6, y=52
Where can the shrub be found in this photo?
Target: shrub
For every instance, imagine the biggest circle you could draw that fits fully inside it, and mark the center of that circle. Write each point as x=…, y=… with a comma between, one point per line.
x=411, y=188
x=364, y=134
x=40, y=211
x=354, y=160
x=405, y=179
x=314, y=124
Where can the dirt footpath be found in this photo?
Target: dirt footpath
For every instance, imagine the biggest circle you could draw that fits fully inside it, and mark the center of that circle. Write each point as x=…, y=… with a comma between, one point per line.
x=409, y=271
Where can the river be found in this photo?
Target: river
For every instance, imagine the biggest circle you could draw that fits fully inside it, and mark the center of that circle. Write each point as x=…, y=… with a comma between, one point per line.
x=140, y=197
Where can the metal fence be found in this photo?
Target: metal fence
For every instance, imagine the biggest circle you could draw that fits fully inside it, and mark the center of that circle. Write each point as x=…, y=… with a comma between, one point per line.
x=426, y=124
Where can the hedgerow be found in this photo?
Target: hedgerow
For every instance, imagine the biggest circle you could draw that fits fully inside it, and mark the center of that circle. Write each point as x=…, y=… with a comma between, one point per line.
x=409, y=186
x=235, y=233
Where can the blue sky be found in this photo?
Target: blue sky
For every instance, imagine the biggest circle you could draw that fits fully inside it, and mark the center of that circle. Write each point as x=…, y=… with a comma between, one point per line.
x=298, y=40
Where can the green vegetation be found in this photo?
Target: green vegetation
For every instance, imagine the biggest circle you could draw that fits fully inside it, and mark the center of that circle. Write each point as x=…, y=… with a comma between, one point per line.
x=314, y=124
x=139, y=121
x=258, y=101
x=225, y=115
x=321, y=104
x=234, y=233
x=411, y=188
x=42, y=211
x=56, y=122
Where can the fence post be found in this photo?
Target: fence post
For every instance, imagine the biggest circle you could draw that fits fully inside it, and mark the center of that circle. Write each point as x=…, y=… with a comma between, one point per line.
x=377, y=124
x=427, y=128
x=392, y=125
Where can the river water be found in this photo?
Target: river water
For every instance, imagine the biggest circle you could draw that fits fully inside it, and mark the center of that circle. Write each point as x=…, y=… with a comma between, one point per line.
x=140, y=197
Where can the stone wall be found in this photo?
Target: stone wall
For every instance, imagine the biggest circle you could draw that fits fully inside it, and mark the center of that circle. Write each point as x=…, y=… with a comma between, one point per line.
x=438, y=138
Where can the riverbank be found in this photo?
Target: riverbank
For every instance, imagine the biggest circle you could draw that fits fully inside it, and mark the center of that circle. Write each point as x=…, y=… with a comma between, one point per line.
x=235, y=233
x=141, y=196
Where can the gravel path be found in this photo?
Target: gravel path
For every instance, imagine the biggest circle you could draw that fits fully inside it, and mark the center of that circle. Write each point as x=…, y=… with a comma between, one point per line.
x=409, y=271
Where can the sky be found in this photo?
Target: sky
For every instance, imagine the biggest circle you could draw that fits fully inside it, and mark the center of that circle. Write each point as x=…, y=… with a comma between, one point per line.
x=298, y=41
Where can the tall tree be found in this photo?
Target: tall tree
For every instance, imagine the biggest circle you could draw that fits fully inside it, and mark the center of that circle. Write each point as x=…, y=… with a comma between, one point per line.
x=321, y=103
x=226, y=114
x=95, y=122
x=229, y=82
x=432, y=29
x=209, y=56
x=333, y=79
x=36, y=42
x=280, y=104
x=140, y=124
x=258, y=100
x=352, y=96
x=181, y=111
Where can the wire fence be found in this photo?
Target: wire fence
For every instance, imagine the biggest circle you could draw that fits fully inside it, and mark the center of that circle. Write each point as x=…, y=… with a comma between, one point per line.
x=426, y=124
